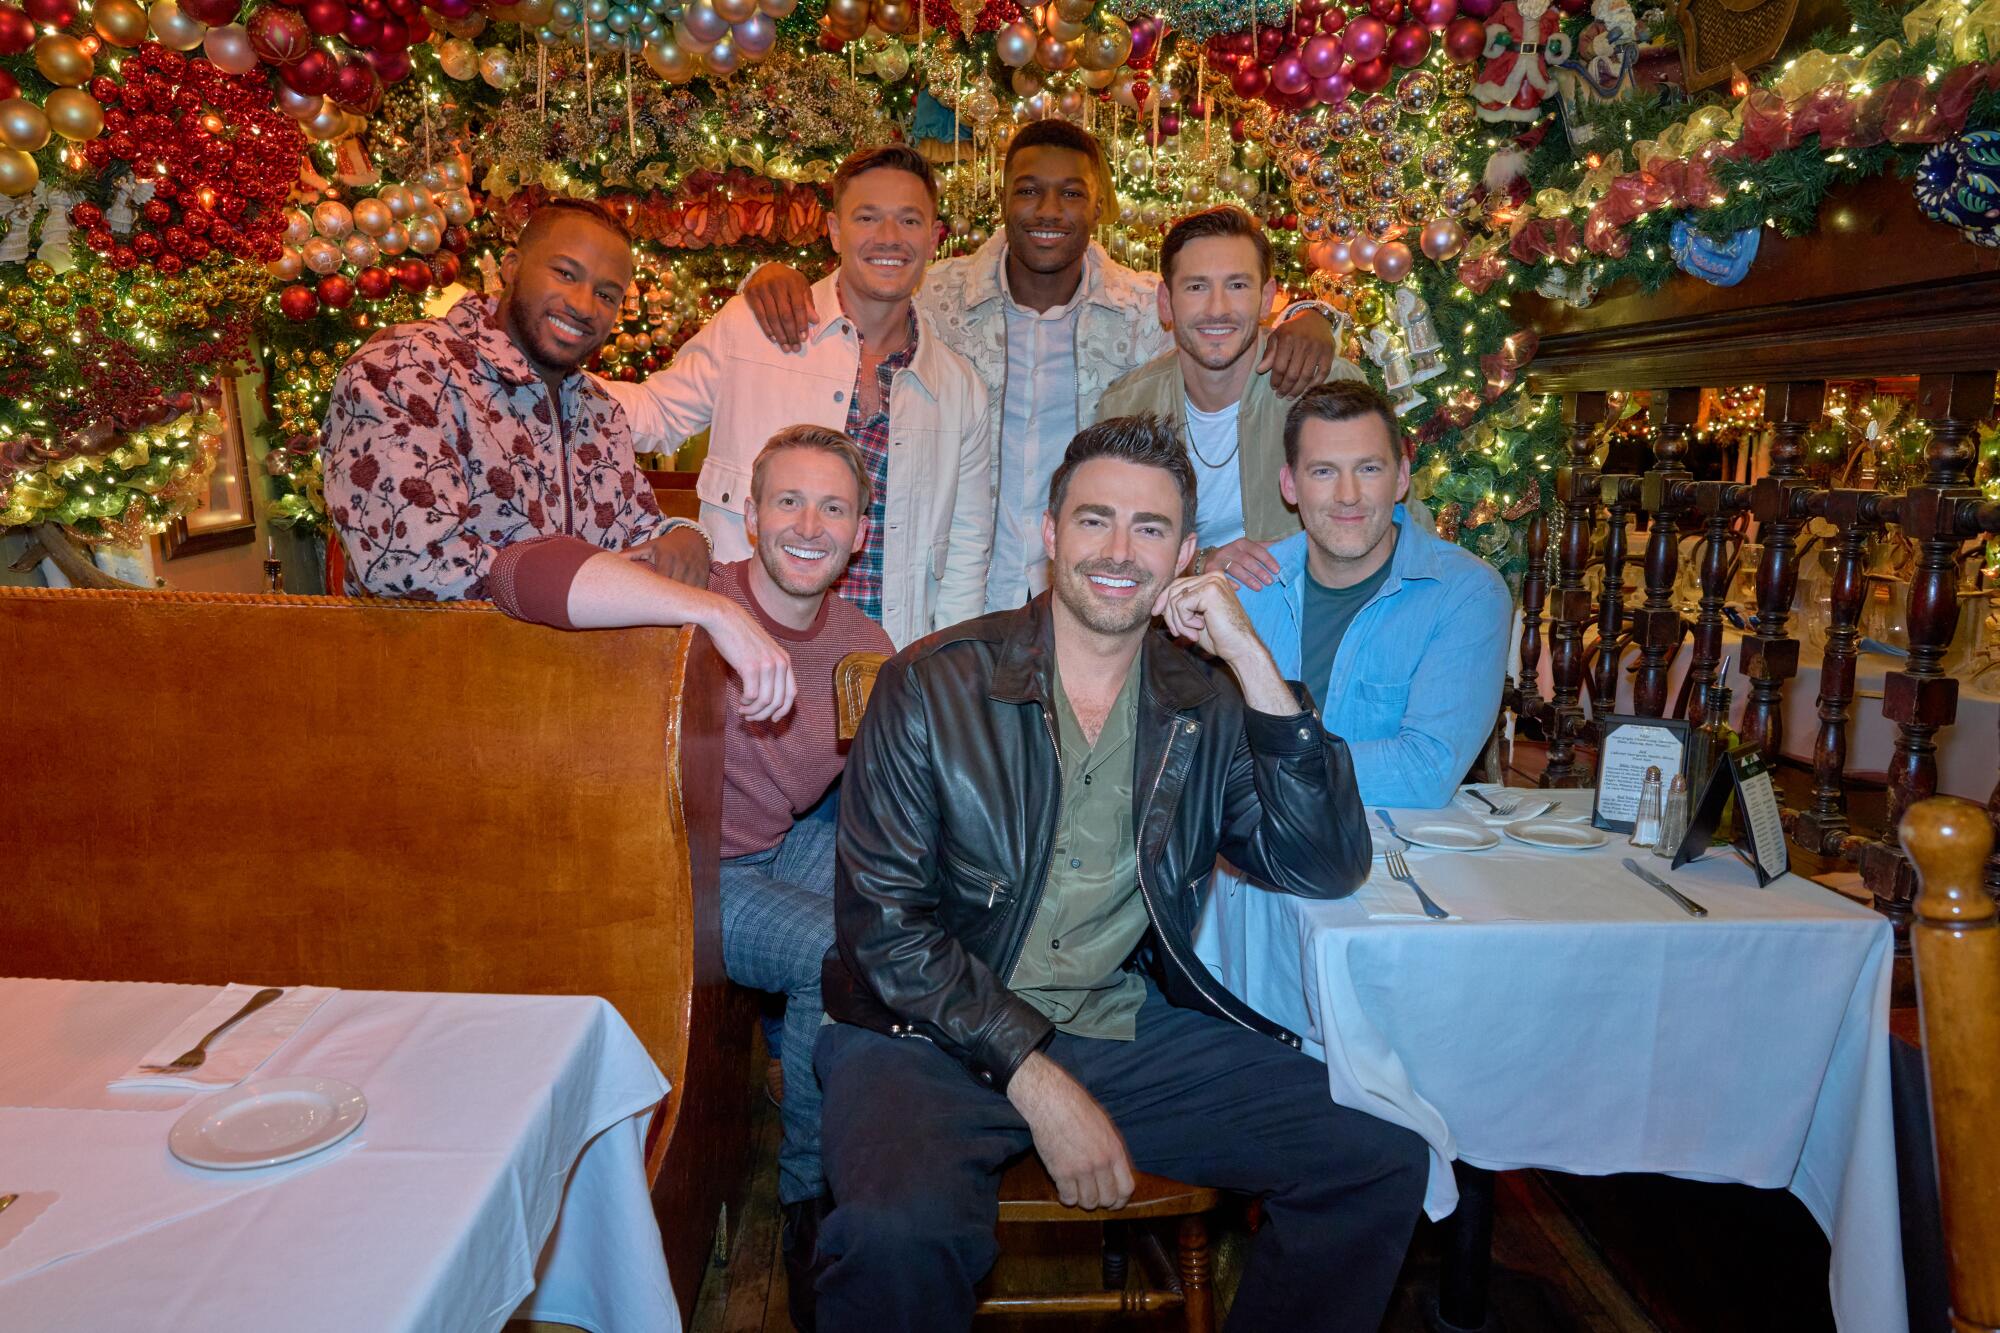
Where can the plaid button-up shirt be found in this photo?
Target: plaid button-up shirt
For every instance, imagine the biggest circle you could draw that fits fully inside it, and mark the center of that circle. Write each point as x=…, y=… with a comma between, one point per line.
x=862, y=583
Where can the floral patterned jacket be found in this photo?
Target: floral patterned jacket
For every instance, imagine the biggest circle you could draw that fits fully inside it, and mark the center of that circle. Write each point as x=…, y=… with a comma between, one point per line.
x=441, y=449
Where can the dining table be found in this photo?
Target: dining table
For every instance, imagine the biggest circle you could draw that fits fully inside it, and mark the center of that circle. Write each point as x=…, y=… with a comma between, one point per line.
x=490, y=1164
x=1569, y=1016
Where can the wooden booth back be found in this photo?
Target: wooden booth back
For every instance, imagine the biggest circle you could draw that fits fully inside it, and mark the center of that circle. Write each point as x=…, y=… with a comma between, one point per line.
x=374, y=795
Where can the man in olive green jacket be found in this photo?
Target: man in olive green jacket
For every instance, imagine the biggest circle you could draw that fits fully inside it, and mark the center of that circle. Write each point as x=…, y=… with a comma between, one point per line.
x=1217, y=270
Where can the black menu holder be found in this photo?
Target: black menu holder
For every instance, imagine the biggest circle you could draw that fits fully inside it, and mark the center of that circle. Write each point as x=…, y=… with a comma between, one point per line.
x=1760, y=830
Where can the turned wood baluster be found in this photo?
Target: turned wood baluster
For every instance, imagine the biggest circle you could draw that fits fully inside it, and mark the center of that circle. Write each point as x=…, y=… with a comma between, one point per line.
x=1719, y=501
x=1956, y=946
x=1921, y=698
x=1657, y=625
x=1619, y=494
x=1858, y=516
x=1576, y=487
x=1534, y=592
x=1770, y=656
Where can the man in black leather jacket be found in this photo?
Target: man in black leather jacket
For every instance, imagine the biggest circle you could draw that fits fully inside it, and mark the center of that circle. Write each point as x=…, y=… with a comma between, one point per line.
x=1031, y=814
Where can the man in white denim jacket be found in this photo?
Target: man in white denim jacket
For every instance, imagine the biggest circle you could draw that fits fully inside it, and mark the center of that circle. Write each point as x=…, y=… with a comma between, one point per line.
x=875, y=369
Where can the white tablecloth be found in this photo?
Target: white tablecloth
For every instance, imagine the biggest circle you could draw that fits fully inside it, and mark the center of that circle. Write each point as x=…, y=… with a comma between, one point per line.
x=500, y=1169
x=1968, y=750
x=1577, y=1020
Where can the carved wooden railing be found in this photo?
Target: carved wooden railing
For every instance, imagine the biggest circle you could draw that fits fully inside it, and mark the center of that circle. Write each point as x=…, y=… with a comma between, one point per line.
x=1938, y=516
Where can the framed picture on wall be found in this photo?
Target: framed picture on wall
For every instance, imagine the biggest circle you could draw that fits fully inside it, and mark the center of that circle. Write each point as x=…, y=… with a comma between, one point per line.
x=225, y=516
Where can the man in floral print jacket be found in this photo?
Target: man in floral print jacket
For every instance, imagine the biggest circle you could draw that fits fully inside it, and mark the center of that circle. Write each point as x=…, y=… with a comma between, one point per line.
x=471, y=456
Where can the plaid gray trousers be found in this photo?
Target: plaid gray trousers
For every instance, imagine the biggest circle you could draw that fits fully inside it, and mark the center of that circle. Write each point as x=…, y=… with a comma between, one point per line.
x=777, y=924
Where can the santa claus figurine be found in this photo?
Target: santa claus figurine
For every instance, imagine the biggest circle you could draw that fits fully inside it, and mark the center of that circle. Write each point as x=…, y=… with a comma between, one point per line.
x=1524, y=43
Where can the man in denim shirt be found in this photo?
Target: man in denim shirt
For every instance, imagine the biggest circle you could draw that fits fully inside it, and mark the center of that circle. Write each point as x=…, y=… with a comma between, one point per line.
x=1400, y=636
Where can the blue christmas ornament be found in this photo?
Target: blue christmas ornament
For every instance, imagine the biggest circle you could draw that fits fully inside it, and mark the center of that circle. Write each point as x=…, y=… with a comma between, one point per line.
x=1958, y=184
x=1723, y=262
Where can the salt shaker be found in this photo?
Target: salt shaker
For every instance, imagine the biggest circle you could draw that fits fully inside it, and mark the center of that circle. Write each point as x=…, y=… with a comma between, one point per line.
x=1673, y=818
x=1646, y=828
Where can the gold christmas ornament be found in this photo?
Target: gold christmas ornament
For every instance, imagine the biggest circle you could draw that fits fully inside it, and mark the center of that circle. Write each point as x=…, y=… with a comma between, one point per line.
x=62, y=60
x=119, y=22
x=1343, y=124
x=1438, y=163
x=1417, y=92
x=1106, y=43
x=1457, y=119
x=74, y=114
x=18, y=173
x=23, y=125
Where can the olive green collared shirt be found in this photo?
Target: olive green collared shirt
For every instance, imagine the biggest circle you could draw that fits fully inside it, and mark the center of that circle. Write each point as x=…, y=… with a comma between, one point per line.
x=1091, y=916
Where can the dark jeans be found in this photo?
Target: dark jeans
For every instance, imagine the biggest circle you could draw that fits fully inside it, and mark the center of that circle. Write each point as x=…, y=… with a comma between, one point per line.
x=913, y=1147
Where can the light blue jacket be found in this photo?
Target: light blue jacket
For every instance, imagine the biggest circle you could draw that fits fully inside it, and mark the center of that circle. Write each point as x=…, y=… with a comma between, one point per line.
x=1416, y=680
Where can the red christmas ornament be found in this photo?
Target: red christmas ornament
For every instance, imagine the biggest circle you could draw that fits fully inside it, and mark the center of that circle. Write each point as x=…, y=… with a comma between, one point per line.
x=310, y=75
x=1334, y=88
x=414, y=274
x=1239, y=130
x=55, y=13
x=1370, y=76
x=1434, y=14
x=395, y=35
x=1248, y=81
x=1478, y=9
x=278, y=35
x=8, y=87
x=1408, y=45
x=1389, y=11
x=363, y=29
x=1364, y=39
x=214, y=13
x=299, y=303
x=1288, y=75
x=17, y=31
x=355, y=88
x=1321, y=56
x=327, y=18
x=87, y=216
x=374, y=283
x=337, y=290
x=214, y=146
x=390, y=66
x=1269, y=42
x=444, y=268
x=1333, y=21
x=1464, y=39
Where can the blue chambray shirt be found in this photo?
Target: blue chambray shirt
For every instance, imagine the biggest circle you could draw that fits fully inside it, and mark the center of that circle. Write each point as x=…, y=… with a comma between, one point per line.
x=1416, y=680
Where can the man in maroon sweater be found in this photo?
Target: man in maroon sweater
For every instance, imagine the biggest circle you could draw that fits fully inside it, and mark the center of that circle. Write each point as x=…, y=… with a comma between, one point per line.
x=809, y=493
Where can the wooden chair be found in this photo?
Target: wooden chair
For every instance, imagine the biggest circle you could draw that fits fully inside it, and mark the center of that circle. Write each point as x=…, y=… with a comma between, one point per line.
x=1955, y=940
x=1028, y=1195
x=392, y=796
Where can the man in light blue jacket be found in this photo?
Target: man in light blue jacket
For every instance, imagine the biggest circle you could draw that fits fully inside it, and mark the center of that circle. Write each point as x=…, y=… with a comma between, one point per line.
x=1400, y=636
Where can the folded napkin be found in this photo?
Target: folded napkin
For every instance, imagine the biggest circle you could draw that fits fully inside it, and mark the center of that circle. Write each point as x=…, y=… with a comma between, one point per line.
x=1386, y=900
x=237, y=1053
x=1538, y=805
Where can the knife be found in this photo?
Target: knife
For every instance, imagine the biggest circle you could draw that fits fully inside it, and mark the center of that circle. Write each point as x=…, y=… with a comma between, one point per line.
x=1688, y=905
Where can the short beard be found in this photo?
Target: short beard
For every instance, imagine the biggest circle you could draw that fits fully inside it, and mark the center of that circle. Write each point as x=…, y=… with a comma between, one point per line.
x=773, y=561
x=1249, y=342
x=544, y=358
x=1072, y=585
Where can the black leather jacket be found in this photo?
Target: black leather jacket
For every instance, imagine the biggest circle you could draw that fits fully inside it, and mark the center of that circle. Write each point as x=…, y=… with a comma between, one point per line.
x=948, y=811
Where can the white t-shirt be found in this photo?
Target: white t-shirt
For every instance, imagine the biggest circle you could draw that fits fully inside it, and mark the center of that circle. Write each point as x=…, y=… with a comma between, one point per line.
x=1212, y=445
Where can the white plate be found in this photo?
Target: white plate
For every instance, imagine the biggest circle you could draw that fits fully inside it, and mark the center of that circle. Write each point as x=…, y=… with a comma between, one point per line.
x=261, y=1124
x=1450, y=837
x=1554, y=833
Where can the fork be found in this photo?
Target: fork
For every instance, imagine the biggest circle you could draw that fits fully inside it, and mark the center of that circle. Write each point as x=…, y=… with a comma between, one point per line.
x=1399, y=870
x=192, y=1059
x=1502, y=810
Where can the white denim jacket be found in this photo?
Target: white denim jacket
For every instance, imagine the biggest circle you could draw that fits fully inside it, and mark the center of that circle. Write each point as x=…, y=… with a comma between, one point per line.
x=938, y=514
